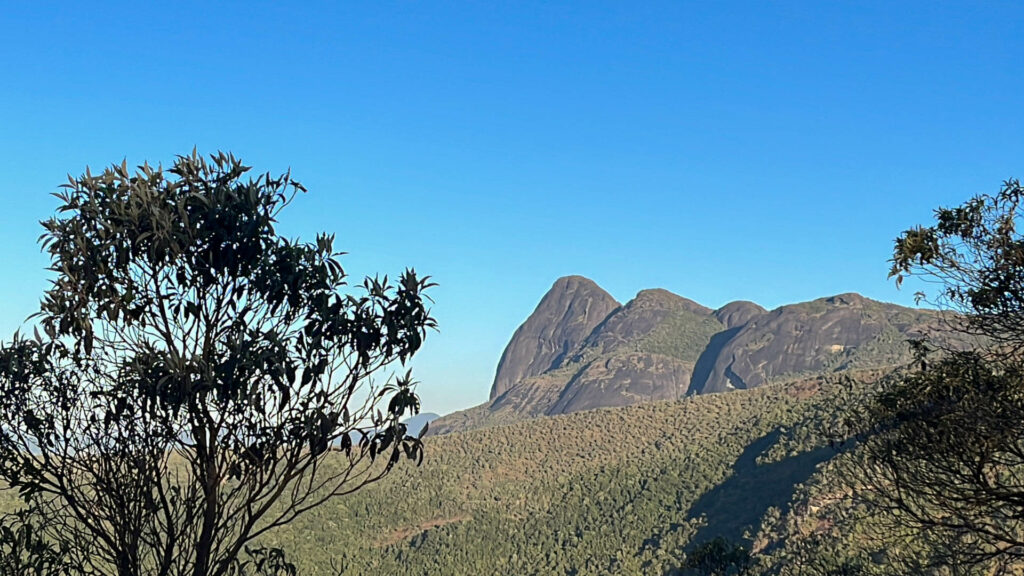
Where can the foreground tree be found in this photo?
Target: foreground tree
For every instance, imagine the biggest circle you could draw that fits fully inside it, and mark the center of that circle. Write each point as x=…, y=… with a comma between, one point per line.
x=197, y=379
x=943, y=454
x=25, y=552
x=975, y=256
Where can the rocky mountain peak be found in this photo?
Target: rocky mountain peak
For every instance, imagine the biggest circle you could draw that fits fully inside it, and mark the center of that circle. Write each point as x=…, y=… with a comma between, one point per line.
x=738, y=313
x=846, y=299
x=661, y=298
x=566, y=315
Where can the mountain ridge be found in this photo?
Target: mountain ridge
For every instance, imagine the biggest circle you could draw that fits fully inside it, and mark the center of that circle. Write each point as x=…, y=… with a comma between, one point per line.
x=662, y=346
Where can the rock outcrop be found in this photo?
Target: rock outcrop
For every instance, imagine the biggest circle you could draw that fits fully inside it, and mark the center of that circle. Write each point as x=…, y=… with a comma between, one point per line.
x=738, y=313
x=825, y=335
x=566, y=315
x=624, y=379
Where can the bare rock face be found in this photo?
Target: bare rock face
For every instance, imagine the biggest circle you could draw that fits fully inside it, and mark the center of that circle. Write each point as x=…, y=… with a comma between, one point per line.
x=824, y=335
x=641, y=352
x=625, y=379
x=738, y=313
x=567, y=314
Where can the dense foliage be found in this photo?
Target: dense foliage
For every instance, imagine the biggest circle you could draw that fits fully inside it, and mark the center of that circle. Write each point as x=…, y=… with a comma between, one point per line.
x=942, y=455
x=193, y=372
x=612, y=491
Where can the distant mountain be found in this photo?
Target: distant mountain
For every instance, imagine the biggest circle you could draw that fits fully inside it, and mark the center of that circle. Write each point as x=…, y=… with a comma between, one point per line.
x=581, y=350
x=413, y=426
x=416, y=424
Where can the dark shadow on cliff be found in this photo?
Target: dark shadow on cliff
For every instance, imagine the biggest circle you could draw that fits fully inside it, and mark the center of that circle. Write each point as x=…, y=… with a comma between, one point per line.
x=706, y=361
x=739, y=503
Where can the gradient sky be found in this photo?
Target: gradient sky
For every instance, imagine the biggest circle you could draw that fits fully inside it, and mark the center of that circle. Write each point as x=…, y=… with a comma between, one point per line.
x=761, y=151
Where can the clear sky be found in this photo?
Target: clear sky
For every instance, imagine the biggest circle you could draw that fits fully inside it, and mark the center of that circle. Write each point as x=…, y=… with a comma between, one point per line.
x=761, y=151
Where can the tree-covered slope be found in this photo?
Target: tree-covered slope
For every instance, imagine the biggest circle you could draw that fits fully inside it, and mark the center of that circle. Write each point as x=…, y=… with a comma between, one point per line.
x=611, y=491
x=626, y=490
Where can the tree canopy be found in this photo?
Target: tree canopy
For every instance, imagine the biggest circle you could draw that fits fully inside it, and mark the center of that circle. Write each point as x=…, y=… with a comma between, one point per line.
x=192, y=370
x=943, y=450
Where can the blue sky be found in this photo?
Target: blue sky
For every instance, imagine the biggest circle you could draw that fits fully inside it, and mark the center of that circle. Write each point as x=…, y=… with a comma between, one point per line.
x=761, y=151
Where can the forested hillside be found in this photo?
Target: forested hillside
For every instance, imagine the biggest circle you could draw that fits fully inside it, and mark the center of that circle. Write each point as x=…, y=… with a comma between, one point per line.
x=611, y=491
x=627, y=490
